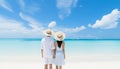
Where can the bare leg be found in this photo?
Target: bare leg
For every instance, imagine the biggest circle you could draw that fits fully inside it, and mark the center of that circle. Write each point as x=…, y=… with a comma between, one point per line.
x=50, y=66
x=56, y=67
x=60, y=67
x=46, y=66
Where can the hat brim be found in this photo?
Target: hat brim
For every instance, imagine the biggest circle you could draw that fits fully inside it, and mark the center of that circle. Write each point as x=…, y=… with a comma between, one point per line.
x=45, y=32
x=61, y=33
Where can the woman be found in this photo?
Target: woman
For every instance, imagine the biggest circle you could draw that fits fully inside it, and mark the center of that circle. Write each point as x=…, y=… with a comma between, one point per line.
x=59, y=50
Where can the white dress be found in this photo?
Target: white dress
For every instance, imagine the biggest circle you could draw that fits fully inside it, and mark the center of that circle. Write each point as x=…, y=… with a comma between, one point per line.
x=59, y=58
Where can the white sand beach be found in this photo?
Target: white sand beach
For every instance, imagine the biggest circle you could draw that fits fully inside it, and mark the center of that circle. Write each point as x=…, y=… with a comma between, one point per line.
x=80, y=65
x=71, y=63
x=80, y=62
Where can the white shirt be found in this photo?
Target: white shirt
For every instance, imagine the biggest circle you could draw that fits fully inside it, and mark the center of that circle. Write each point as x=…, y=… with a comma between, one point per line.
x=47, y=44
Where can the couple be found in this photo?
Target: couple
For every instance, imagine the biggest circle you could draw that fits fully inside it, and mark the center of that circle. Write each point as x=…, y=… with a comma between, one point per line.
x=52, y=51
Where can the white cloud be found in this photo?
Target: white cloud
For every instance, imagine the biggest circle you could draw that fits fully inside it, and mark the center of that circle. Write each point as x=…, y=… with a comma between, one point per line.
x=68, y=31
x=27, y=8
x=52, y=24
x=8, y=24
x=32, y=22
x=65, y=7
x=10, y=28
x=5, y=5
x=74, y=30
x=71, y=32
x=107, y=21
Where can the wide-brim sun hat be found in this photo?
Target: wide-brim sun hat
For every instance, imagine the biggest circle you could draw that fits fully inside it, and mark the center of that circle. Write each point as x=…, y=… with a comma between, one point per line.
x=59, y=36
x=48, y=32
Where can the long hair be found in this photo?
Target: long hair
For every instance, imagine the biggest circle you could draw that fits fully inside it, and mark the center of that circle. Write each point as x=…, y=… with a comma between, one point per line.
x=59, y=43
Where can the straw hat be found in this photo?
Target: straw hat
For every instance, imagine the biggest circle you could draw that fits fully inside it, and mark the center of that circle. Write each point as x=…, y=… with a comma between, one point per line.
x=48, y=32
x=59, y=36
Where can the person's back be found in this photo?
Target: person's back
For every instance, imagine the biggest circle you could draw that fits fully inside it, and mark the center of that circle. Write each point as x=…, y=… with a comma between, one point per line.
x=47, y=48
x=47, y=44
x=60, y=49
x=59, y=59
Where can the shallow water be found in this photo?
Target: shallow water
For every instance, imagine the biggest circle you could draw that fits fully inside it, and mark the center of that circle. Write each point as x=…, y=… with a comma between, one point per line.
x=29, y=49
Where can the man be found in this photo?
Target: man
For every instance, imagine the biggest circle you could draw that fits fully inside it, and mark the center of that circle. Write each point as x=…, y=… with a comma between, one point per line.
x=47, y=49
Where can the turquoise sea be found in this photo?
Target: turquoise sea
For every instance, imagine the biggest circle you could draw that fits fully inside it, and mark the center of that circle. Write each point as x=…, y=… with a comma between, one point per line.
x=27, y=49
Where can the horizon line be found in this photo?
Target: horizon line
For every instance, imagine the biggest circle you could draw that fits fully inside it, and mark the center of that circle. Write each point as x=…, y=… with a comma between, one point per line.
x=72, y=38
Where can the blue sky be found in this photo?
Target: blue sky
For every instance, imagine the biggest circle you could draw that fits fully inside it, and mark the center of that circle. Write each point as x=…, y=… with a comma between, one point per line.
x=99, y=19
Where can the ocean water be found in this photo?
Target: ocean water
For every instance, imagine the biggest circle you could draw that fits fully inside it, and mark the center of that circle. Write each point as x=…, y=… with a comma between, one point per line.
x=28, y=50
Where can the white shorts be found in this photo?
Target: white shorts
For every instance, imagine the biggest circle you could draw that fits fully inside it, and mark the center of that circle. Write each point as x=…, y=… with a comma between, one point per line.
x=48, y=60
